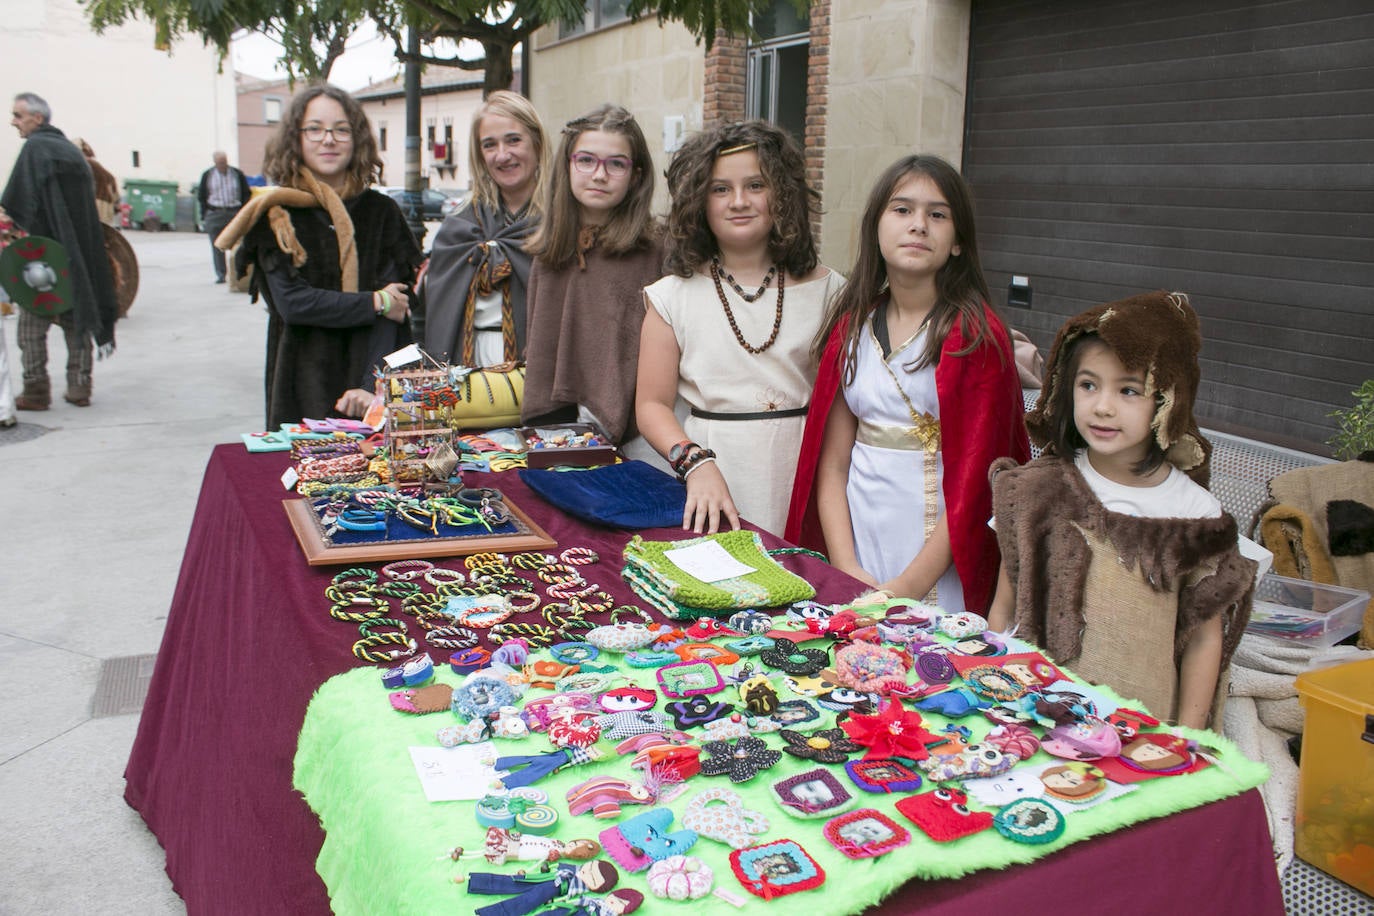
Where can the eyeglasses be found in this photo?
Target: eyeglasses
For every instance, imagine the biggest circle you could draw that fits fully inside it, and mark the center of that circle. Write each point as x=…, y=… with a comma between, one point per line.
x=315, y=133
x=616, y=166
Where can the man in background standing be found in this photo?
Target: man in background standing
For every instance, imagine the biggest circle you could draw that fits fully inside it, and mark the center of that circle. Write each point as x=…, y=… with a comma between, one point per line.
x=51, y=193
x=223, y=190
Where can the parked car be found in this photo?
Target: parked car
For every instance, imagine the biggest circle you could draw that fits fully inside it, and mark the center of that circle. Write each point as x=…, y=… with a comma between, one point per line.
x=436, y=204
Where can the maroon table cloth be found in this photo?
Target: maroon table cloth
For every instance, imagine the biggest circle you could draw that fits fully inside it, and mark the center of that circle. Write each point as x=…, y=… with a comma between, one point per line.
x=249, y=639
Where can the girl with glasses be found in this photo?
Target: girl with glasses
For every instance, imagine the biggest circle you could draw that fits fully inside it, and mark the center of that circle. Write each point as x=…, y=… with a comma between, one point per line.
x=471, y=304
x=596, y=250
x=331, y=257
x=728, y=330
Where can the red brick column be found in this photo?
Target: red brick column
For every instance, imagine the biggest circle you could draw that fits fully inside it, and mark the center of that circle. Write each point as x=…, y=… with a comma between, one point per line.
x=817, y=96
x=724, y=97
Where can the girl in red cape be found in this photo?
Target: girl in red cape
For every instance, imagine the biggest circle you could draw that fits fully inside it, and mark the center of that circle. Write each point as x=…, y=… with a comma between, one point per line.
x=892, y=482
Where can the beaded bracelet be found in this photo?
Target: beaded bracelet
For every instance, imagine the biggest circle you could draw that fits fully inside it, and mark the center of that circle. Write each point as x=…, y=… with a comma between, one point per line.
x=440, y=576
x=451, y=637
x=579, y=556
x=366, y=647
x=522, y=602
x=406, y=570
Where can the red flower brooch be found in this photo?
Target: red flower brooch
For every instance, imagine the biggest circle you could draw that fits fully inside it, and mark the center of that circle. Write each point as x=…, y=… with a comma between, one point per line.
x=892, y=732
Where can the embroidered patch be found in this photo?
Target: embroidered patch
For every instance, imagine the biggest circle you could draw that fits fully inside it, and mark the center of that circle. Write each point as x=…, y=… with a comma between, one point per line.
x=866, y=834
x=882, y=775
x=741, y=761
x=685, y=679
x=815, y=793
x=776, y=869
x=944, y=814
x=1030, y=820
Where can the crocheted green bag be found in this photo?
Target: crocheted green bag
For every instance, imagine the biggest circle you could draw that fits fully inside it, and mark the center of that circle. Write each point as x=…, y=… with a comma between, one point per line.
x=648, y=570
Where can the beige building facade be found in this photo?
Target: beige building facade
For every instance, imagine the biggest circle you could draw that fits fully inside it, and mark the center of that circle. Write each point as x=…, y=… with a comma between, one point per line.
x=448, y=100
x=881, y=78
x=148, y=114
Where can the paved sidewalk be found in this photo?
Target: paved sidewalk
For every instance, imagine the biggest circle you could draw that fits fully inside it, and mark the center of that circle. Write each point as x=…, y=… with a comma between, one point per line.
x=97, y=505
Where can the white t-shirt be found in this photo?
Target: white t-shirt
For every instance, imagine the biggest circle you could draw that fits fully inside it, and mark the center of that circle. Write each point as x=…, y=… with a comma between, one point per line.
x=1177, y=496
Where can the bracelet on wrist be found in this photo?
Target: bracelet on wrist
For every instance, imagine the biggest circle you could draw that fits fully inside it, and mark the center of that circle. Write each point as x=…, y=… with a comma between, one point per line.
x=688, y=473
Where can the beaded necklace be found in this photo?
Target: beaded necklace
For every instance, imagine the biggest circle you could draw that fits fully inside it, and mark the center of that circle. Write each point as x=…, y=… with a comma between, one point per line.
x=730, y=316
x=734, y=284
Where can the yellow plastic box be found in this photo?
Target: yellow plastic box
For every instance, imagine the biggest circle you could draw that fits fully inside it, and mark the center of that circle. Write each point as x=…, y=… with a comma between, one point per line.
x=1335, y=824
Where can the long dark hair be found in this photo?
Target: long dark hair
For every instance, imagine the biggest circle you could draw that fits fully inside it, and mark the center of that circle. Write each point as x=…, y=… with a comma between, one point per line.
x=282, y=159
x=794, y=202
x=961, y=291
x=631, y=223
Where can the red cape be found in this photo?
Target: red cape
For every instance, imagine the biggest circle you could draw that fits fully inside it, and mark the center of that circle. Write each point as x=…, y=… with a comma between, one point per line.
x=981, y=420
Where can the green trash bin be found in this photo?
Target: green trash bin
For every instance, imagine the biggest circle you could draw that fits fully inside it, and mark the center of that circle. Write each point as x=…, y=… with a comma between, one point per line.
x=156, y=197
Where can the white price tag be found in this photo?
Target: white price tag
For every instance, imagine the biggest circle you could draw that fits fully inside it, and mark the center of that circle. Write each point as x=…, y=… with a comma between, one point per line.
x=708, y=562
x=288, y=480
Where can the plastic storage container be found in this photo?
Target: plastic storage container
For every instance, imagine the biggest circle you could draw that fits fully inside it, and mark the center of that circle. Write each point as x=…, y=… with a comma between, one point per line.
x=158, y=196
x=1306, y=613
x=1335, y=824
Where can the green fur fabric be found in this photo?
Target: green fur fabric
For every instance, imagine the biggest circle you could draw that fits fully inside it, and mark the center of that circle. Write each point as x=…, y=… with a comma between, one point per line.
x=384, y=848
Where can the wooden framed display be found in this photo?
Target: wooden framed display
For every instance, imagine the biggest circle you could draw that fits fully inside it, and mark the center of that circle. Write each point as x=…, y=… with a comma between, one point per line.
x=320, y=551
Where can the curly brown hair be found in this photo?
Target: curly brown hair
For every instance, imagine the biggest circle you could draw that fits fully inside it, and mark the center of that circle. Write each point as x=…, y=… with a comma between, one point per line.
x=282, y=159
x=794, y=202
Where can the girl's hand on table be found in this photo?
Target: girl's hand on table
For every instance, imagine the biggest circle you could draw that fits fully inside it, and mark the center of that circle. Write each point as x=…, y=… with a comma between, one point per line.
x=708, y=498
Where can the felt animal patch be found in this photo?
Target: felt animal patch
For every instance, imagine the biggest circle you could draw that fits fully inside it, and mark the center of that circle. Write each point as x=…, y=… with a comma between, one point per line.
x=645, y=839
x=943, y=814
x=975, y=760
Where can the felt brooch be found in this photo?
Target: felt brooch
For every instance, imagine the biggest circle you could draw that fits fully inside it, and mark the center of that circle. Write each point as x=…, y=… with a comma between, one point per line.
x=680, y=878
x=603, y=796
x=574, y=729
x=710, y=628
x=775, y=869
x=1013, y=740
x=758, y=695
x=618, y=725
x=1030, y=820
x=628, y=699
x=666, y=637
x=869, y=668
x=845, y=699
x=828, y=745
x=719, y=814
x=474, y=732
x=882, y=775
x=794, y=713
x=992, y=682
x=865, y=834
x=907, y=635
x=955, y=702
x=697, y=710
x=943, y=814
x=509, y=723
x=1090, y=738
x=934, y=667
x=965, y=623
x=1158, y=755
x=811, y=686
x=982, y=645
x=741, y=761
x=789, y=658
x=644, y=839
x=620, y=637
x=479, y=697
x=974, y=761
x=815, y=793
x=420, y=700
x=650, y=659
x=668, y=762
x=803, y=611
x=541, y=711
x=707, y=652
x=1075, y=783
x=893, y=732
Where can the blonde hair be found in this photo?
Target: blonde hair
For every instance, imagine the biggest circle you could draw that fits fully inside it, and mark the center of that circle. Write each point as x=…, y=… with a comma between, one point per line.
x=515, y=106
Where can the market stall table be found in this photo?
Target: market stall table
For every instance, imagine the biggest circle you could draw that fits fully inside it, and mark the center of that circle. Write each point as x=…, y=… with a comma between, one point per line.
x=248, y=641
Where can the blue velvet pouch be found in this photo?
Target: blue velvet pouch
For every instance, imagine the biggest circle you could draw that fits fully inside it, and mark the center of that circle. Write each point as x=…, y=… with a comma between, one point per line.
x=631, y=494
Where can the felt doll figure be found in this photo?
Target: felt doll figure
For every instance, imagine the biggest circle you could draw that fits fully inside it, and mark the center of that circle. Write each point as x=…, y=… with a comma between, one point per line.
x=533, y=892
x=594, y=253
x=727, y=330
x=1115, y=558
x=1073, y=782
x=916, y=395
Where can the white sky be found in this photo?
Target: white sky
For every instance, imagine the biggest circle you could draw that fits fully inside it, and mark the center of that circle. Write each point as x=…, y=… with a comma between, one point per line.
x=369, y=58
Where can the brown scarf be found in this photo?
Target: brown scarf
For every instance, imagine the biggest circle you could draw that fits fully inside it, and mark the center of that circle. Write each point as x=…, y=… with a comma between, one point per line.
x=309, y=192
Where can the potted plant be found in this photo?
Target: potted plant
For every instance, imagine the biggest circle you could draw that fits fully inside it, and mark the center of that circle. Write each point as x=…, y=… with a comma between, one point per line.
x=1355, y=425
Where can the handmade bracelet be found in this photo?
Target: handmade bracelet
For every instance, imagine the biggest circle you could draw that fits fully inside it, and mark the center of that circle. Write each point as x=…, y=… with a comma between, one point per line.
x=430, y=620
x=552, y=610
x=367, y=647
x=579, y=556
x=522, y=602
x=339, y=610
x=478, y=496
x=695, y=465
x=357, y=575
x=372, y=499
x=385, y=298
x=344, y=593
x=451, y=636
x=361, y=520
x=696, y=458
x=554, y=573
x=490, y=568
x=592, y=604
x=574, y=653
x=322, y=468
x=422, y=603
x=452, y=589
x=537, y=635
x=531, y=561
x=469, y=660
x=679, y=451
x=631, y=609
x=399, y=589
x=406, y=570
x=440, y=575
x=486, y=615
x=418, y=516
x=481, y=559
x=566, y=590
x=367, y=626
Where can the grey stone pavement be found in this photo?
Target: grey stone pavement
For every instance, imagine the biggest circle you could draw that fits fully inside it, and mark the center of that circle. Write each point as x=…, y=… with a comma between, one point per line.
x=96, y=508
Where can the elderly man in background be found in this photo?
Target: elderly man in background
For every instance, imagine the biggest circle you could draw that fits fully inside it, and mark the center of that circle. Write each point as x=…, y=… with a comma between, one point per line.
x=223, y=190
x=51, y=192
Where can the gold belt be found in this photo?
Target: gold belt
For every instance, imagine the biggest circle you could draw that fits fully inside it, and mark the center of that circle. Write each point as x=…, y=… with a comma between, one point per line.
x=923, y=437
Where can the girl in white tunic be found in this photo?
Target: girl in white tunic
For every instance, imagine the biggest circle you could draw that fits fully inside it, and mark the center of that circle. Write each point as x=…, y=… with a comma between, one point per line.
x=728, y=332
